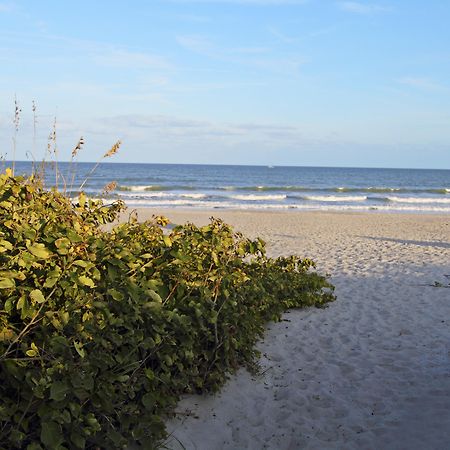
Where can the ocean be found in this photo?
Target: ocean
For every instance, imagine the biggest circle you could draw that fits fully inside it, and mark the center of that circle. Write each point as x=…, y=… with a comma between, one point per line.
x=259, y=187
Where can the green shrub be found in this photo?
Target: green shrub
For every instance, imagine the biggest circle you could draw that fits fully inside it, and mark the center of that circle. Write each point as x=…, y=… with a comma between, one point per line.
x=102, y=331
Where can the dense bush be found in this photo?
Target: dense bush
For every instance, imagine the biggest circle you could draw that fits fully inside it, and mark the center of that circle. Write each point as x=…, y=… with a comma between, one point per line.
x=102, y=331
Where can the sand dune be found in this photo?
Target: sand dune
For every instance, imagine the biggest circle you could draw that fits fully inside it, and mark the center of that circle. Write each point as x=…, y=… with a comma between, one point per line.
x=372, y=371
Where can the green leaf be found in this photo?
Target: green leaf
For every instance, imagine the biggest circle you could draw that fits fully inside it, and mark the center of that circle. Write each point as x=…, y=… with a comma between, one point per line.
x=79, y=348
x=86, y=281
x=167, y=241
x=7, y=283
x=115, y=294
x=59, y=390
x=148, y=400
x=17, y=436
x=21, y=302
x=40, y=251
x=37, y=296
x=155, y=296
x=51, y=434
x=149, y=374
x=34, y=446
x=81, y=263
x=73, y=236
x=9, y=305
x=78, y=440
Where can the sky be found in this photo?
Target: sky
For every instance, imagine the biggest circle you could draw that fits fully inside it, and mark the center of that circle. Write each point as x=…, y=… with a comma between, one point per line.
x=260, y=82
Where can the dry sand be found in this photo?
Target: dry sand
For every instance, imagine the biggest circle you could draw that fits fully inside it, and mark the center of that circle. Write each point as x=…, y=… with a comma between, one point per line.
x=372, y=371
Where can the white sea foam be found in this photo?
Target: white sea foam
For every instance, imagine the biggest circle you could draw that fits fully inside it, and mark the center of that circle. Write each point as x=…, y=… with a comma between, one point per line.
x=193, y=195
x=151, y=195
x=419, y=200
x=146, y=194
x=136, y=188
x=202, y=204
x=252, y=197
x=168, y=202
x=337, y=198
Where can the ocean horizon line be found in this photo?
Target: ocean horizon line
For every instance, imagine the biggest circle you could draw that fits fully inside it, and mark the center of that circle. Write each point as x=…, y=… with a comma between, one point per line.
x=272, y=166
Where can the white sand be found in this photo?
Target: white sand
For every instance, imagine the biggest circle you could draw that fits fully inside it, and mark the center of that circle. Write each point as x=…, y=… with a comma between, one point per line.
x=372, y=371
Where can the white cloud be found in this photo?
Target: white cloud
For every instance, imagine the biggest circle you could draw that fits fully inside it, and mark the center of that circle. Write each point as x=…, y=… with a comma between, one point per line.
x=362, y=8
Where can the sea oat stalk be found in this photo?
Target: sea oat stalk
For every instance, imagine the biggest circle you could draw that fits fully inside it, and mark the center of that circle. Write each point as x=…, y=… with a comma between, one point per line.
x=112, y=151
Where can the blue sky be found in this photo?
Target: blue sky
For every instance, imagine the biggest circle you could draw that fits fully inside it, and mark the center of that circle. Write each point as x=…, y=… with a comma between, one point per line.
x=280, y=82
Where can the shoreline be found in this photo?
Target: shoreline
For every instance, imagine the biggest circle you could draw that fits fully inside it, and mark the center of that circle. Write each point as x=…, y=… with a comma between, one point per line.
x=147, y=210
x=290, y=210
x=370, y=371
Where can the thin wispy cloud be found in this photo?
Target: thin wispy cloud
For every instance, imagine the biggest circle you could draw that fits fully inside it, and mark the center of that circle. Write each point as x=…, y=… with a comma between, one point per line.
x=128, y=59
x=253, y=57
x=250, y=50
x=189, y=130
x=196, y=44
x=246, y=2
x=422, y=83
x=362, y=8
x=193, y=18
x=6, y=7
x=284, y=38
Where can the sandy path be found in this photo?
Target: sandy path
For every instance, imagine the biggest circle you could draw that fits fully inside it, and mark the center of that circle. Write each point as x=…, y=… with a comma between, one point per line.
x=372, y=371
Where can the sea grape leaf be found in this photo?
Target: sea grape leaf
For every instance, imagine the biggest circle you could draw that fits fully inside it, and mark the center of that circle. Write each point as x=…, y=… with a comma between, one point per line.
x=59, y=390
x=115, y=294
x=40, y=251
x=148, y=400
x=51, y=435
x=37, y=296
x=86, y=281
x=155, y=296
x=79, y=348
x=7, y=283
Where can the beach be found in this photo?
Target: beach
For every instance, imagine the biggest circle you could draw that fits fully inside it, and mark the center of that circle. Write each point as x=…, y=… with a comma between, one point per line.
x=371, y=371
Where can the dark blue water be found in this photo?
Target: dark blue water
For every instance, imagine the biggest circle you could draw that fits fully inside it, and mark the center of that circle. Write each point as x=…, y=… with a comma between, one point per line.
x=259, y=187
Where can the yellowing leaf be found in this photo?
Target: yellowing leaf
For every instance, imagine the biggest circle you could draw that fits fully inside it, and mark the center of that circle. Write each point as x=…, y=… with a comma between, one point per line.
x=62, y=244
x=82, y=199
x=79, y=348
x=5, y=246
x=155, y=296
x=7, y=283
x=64, y=316
x=21, y=302
x=37, y=296
x=39, y=251
x=86, y=281
x=6, y=335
